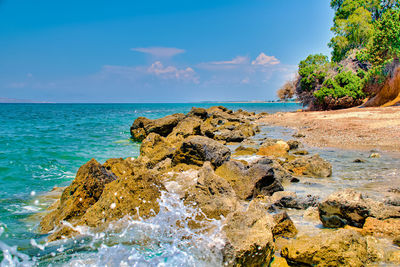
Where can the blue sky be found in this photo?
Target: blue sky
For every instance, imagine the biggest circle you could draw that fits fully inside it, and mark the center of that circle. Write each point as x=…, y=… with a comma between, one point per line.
x=156, y=51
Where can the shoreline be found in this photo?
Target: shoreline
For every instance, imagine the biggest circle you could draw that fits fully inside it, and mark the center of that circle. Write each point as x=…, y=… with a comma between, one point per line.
x=350, y=129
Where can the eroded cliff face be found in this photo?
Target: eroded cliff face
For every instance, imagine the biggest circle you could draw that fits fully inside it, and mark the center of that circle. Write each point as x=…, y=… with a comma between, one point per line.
x=389, y=94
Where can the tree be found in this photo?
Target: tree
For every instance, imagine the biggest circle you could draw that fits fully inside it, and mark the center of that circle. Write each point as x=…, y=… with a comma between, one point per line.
x=287, y=91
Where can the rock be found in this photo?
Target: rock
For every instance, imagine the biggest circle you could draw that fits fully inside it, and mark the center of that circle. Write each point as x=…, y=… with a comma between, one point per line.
x=298, y=135
x=248, y=238
x=198, y=112
x=259, y=179
x=348, y=207
x=212, y=194
x=135, y=196
x=313, y=166
x=396, y=240
x=156, y=148
x=394, y=257
x=300, y=152
x=359, y=161
x=311, y=214
x=340, y=248
x=198, y=149
x=84, y=191
x=374, y=156
x=284, y=226
x=245, y=151
x=381, y=228
x=186, y=127
x=141, y=127
x=294, y=144
x=290, y=200
x=279, y=262
x=279, y=149
x=138, y=128
x=120, y=167
x=229, y=136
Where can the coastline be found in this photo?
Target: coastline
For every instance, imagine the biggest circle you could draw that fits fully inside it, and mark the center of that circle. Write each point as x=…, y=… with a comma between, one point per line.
x=349, y=129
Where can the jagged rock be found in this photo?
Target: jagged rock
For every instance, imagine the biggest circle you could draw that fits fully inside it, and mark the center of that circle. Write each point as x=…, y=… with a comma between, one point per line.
x=212, y=194
x=259, y=179
x=381, y=228
x=199, y=149
x=156, y=148
x=198, y=112
x=141, y=127
x=84, y=191
x=186, y=127
x=248, y=238
x=120, y=167
x=396, y=240
x=313, y=166
x=135, y=196
x=284, y=226
x=339, y=248
x=348, y=207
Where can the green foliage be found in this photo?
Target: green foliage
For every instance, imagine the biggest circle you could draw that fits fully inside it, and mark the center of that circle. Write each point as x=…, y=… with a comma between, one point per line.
x=313, y=70
x=385, y=42
x=343, y=84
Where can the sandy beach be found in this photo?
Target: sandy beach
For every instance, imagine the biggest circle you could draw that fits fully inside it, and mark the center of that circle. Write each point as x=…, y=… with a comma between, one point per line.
x=355, y=128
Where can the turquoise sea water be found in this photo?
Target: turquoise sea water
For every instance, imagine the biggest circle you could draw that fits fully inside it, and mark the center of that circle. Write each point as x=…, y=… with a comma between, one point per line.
x=43, y=145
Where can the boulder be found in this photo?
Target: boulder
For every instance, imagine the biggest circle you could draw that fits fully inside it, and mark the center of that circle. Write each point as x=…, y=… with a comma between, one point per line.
x=186, y=127
x=284, y=226
x=229, y=135
x=156, y=148
x=198, y=112
x=84, y=191
x=339, y=248
x=212, y=194
x=258, y=179
x=381, y=228
x=312, y=166
x=290, y=200
x=141, y=127
x=279, y=149
x=294, y=144
x=348, y=207
x=135, y=196
x=198, y=149
x=248, y=238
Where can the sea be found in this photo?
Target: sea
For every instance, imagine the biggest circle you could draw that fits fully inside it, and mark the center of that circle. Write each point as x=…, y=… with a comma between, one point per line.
x=41, y=148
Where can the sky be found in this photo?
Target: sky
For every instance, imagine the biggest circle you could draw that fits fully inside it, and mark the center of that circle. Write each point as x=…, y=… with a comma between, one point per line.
x=156, y=50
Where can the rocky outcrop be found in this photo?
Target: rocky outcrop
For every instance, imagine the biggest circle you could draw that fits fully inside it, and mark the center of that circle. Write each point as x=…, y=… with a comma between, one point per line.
x=250, y=181
x=248, y=238
x=198, y=149
x=84, y=191
x=312, y=166
x=212, y=194
x=142, y=127
x=348, y=207
x=381, y=228
x=340, y=248
x=156, y=148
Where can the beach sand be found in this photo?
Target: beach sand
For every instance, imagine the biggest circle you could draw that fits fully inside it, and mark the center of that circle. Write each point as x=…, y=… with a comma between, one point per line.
x=355, y=128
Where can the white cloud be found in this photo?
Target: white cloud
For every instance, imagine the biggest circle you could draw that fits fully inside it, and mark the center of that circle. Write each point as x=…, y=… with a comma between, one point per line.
x=159, y=51
x=236, y=61
x=172, y=72
x=264, y=60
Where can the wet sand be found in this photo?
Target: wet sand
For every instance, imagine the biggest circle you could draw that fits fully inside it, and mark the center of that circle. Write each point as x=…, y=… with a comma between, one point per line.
x=355, y=128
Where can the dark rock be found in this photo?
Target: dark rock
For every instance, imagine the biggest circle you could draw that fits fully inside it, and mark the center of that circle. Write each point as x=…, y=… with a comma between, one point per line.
x=290, y=200
x=284, y=226
x=294, y=144
x=198, y=149
x=359, y=161
x=198, y=112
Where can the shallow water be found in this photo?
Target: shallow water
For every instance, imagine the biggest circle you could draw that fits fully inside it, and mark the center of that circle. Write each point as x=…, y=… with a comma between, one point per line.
x=43, y=145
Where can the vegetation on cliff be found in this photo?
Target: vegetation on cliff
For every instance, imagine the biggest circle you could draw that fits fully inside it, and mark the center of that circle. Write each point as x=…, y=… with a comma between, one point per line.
x=365, y=56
